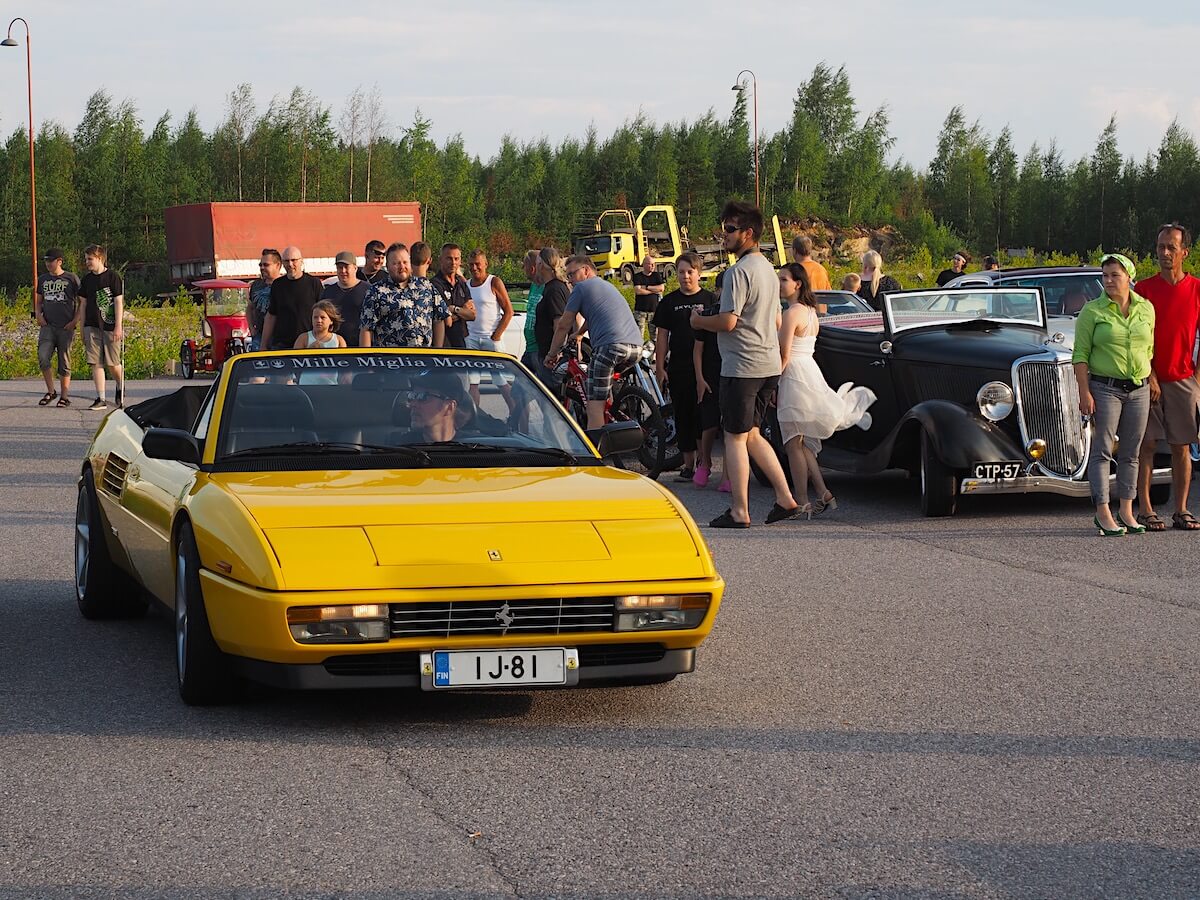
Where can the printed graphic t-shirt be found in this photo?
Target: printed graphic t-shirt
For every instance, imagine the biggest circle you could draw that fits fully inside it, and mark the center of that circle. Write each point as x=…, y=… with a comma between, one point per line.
x=100, y=293
x=59, y=293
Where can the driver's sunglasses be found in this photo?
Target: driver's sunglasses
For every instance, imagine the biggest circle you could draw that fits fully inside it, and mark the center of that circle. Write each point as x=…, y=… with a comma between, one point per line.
x=422, y=396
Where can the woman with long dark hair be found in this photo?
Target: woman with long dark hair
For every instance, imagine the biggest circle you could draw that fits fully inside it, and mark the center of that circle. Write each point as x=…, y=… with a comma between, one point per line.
x=809, y=410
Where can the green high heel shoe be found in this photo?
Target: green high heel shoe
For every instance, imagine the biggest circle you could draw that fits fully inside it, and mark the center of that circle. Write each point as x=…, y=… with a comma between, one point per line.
x=1131, y=529
x=1116, y=532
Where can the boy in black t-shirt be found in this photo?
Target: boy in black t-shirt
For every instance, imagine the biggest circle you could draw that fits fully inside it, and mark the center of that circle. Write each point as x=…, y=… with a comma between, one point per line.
x=103, y=295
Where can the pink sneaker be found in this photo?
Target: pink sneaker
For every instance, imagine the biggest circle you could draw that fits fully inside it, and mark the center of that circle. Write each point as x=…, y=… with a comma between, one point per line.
x=725, y=487
x=700, y=478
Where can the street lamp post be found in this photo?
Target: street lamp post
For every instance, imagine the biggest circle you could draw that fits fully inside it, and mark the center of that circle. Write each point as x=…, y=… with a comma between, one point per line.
x=9, y=42
x=754, y=87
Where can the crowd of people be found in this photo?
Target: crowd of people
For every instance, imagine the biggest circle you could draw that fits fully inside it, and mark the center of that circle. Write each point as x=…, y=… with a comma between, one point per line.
x=724, y=357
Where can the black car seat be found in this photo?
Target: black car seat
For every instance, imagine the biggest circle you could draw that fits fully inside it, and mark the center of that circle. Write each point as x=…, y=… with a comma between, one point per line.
x=266, y=414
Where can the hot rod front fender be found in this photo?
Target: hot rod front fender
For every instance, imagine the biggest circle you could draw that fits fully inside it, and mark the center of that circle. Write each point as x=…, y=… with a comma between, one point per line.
x=960, y=437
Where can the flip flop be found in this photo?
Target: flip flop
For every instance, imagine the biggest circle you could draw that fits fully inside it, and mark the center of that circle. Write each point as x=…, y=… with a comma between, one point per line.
x=726, y=520
x=63, y=403
x=46, y=398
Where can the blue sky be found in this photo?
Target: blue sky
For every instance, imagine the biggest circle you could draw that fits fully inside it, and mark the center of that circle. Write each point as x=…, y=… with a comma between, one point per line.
x=536, y=68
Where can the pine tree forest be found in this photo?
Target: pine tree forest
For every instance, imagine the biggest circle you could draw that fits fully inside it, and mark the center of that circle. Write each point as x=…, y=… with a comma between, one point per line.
x=108, y=180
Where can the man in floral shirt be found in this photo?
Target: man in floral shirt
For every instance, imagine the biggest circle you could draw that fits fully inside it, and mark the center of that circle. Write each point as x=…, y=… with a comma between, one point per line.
x=402, y=310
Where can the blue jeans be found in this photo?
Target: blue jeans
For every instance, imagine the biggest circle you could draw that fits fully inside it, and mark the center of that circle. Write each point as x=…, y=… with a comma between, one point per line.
x=1122, y=415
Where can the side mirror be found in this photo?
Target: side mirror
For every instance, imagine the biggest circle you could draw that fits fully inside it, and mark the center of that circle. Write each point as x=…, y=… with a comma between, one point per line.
x=172, y=443
x=617, y=437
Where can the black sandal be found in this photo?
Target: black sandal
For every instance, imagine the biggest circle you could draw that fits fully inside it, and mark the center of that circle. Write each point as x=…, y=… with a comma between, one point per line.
x=63, y=403
x=779, y=514
x=726, y=520
x=47, y=398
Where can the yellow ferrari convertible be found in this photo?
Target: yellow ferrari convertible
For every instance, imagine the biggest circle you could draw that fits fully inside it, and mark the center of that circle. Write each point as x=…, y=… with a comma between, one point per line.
x=388, y=518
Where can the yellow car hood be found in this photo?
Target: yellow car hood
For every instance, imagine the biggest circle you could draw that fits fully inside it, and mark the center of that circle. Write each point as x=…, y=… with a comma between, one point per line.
x=419, y=528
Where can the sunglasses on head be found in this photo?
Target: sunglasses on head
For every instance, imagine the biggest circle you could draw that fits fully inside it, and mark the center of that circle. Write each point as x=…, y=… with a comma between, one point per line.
x=270, y=250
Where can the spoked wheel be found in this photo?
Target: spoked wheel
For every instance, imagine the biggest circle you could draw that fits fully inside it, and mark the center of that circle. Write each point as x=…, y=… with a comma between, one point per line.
x=187, y=360
x=631, y=403
x=204, y=674
x=102, y=590
x=674, y=456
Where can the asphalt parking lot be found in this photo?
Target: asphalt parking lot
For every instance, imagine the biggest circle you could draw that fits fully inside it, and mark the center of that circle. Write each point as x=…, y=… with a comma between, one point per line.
x=1000, y=704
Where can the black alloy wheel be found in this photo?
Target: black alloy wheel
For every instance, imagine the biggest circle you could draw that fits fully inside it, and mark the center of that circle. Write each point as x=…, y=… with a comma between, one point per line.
x=102, y=590
x=204, y=674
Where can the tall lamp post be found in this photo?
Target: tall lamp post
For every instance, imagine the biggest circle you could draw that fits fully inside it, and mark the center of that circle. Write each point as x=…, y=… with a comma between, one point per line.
x=9, y=42
x=754, y=86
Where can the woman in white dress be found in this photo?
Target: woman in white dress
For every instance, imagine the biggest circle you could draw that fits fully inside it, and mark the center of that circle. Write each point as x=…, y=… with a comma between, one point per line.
x=809, y=409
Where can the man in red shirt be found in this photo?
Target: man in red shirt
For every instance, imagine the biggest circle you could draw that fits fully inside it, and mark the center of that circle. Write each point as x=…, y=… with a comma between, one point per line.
x=1174, y=393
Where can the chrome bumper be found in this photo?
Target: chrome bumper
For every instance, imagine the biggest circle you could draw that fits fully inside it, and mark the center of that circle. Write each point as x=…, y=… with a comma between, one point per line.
x=1043, y=484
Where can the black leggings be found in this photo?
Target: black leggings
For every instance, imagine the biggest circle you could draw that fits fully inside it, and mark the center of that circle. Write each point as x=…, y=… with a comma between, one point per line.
x=682, y=385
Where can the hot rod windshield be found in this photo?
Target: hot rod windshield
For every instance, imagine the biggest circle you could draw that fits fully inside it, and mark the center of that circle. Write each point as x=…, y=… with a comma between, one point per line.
x=376, y=401
x=920, y=309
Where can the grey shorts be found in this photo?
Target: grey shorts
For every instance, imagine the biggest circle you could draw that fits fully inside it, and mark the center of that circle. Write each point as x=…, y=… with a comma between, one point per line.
x=1175, y=418
x=54, y=341
x=102, y=348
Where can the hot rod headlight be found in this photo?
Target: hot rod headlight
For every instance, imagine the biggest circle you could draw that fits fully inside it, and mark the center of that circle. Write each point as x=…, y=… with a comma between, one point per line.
x=658, y=612
x=995, y=400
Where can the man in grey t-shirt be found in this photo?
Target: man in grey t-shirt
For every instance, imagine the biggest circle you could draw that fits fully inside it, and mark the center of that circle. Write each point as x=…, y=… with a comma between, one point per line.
x=747, y=329
x=59, y=309
x=615, y=335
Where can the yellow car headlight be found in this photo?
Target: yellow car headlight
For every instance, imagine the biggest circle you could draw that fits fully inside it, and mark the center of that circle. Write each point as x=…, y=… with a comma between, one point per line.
x=656, y=612
x=339, y=624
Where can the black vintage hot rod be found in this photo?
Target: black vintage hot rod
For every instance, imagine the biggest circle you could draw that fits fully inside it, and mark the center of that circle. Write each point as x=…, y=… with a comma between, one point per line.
x=974, y=395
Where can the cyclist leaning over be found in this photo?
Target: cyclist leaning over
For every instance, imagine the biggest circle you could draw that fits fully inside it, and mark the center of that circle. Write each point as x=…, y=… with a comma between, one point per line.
x=615, y=336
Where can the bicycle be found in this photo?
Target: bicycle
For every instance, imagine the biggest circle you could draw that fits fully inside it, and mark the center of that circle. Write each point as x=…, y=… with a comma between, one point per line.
x=628, y=402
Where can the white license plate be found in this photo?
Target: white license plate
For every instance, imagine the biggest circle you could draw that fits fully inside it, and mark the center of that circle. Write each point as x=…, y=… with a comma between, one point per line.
x=501, y=668
x=998, y=471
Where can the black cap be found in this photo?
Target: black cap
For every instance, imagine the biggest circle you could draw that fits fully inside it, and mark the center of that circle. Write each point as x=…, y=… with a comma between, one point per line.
x=53, y=253
x=447, y=384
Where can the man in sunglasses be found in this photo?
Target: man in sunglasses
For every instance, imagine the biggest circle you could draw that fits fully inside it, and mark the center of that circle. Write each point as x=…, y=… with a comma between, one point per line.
x=269, y=267
x=747, y=329
x=434, y=401
x=373, y=269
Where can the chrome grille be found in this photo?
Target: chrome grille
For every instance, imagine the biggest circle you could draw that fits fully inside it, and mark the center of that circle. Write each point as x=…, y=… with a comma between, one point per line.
x=1049, y=409
x=556, y=615
x=112, y=479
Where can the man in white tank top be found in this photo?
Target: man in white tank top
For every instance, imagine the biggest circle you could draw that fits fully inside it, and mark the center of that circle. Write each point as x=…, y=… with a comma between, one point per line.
x=493, y=312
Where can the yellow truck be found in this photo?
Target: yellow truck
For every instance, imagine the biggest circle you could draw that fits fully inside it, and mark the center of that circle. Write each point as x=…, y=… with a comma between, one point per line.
x=618, y=241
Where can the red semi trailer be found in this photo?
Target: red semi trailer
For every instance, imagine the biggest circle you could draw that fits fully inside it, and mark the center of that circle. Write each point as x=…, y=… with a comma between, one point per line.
x=225, y=240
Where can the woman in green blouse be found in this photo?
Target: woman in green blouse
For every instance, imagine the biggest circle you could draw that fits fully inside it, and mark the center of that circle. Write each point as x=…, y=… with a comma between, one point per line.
x=1114, y=340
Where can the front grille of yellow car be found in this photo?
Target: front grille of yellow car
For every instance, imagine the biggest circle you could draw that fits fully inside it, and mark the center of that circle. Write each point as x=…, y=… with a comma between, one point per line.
x=564, y=615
